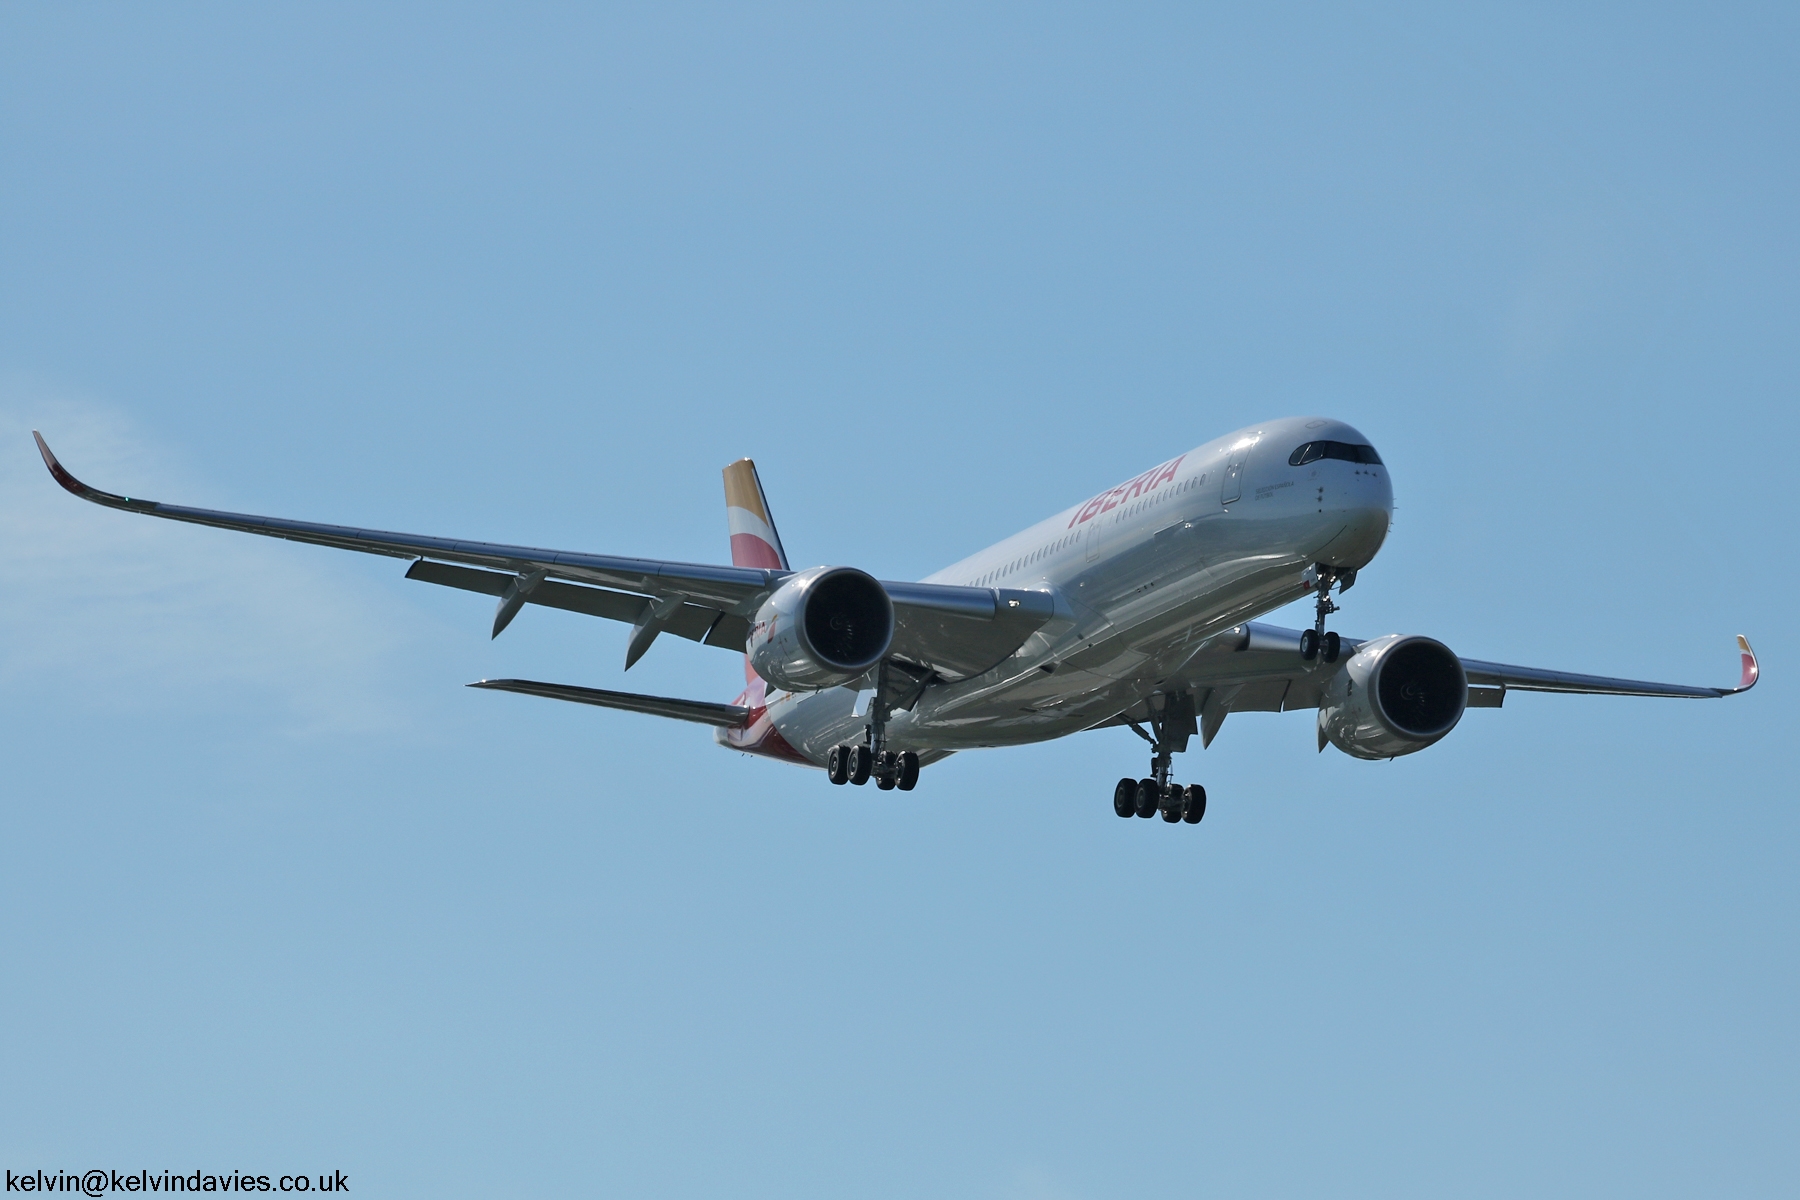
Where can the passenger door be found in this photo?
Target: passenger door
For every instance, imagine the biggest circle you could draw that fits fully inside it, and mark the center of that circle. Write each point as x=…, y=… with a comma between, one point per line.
x=1233, y=486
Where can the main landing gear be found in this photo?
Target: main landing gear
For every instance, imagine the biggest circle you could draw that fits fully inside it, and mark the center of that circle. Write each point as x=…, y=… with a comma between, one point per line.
x=1172, y=722
x=1315, y=643
x=859, y=764
x=890, y=769
x=1146, y=798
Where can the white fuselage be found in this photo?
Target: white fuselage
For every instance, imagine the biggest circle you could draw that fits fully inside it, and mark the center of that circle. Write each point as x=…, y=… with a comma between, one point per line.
x=1142, y=575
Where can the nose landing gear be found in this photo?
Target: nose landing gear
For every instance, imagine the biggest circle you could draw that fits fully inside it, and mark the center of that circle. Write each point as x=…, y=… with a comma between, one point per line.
x=1326, y=646
x=1315, y=642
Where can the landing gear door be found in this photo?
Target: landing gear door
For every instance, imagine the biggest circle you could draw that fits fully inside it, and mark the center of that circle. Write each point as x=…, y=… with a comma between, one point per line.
x=1233, y=486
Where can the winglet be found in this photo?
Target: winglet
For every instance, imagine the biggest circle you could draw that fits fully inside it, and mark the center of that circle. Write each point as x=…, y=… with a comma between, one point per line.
x=1751, y=670
x=75, y=487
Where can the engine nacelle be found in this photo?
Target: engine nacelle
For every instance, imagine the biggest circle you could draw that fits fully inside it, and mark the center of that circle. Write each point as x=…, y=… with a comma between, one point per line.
x=1396, y=695
x=821, y=628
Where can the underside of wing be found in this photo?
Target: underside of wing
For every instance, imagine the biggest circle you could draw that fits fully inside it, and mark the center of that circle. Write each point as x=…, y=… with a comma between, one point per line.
x=696, y=622
x=1259, y=668
x=1534, y=679
x=946, y=631
x=957, y=632
x=722, y=587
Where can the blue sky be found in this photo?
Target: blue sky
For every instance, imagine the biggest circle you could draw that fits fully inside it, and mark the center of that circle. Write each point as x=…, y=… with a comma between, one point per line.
x=280, y=892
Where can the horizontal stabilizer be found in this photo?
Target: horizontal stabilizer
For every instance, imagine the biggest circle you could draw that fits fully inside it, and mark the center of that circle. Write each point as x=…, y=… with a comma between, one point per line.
x=657, y=706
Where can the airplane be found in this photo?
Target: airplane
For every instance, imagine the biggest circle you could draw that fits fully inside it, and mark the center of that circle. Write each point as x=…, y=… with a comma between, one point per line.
x=1134, y=608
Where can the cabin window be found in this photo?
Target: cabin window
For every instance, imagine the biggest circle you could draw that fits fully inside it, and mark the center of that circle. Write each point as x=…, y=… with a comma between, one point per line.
x=1314, y=451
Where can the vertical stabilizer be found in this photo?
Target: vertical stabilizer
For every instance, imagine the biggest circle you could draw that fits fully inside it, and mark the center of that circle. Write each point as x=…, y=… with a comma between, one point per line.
x=754, y=542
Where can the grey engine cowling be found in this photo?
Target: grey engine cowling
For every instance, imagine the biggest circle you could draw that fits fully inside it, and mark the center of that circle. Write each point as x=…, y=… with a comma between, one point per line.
x=821, y=628
x=1396, y=695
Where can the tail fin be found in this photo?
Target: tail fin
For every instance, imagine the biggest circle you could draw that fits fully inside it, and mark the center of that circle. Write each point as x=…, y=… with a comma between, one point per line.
x=754, y=542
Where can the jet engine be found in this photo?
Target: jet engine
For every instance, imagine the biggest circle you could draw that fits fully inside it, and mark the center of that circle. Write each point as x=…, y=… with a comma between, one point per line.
x=1396, y=695
x=821, y=628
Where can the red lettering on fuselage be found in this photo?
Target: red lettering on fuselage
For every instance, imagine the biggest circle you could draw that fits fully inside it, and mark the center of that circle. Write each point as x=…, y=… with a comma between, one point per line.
x=1154, y=478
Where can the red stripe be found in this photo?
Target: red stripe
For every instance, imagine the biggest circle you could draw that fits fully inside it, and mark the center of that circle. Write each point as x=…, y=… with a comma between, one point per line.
x=748, y=550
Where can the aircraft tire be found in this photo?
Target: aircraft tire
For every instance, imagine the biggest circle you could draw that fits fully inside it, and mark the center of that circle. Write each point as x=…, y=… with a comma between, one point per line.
x=1125, y=798
x=1193, y=803
x=1171, y=805
x=1147, y=796
x=1333, y=645
x=837, y=765
x=862, y=761
x=909, y=771
x=1309, y=644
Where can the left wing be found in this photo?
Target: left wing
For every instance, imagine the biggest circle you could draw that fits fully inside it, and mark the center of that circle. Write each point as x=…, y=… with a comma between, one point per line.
x=1258, y=668
x=952, y=631
x=1535, y=679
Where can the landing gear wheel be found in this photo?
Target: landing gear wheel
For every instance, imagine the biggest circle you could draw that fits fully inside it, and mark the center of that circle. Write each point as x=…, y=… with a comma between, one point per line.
x=909, y=771
x=1309, y=644
x=1171, y=804
x=886, y=770
x=862, y=761
x=1125, y=798
x=837, y=764
x=1332, y=646
x=1147, y=796
x=1193, y=803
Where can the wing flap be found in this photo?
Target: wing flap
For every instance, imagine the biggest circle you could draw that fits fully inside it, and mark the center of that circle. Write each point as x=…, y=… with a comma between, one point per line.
x=696, y=622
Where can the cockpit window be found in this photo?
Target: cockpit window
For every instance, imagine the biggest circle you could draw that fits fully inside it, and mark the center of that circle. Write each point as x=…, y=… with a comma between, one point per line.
x=1314, y=451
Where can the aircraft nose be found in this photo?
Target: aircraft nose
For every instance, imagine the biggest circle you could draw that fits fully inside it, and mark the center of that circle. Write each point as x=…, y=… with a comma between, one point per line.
x=1364, y=524
x=1365, y=529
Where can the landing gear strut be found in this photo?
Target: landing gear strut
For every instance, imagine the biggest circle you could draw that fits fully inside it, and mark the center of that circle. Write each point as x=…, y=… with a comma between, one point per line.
x=1172, y=720
x=1315, y=642
x=872, y=759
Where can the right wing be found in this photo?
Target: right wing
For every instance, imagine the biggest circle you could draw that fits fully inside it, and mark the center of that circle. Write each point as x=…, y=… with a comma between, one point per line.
x=720, y=587
x=949, y=631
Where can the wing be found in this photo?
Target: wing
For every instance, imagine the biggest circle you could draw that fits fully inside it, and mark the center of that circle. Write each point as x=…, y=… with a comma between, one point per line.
x=722, y=587
x=1258, y=668
x=949, y=631
x=1535, y=679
